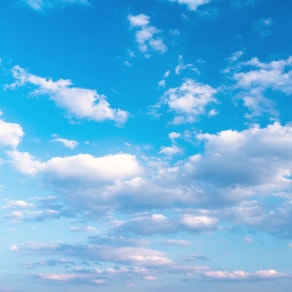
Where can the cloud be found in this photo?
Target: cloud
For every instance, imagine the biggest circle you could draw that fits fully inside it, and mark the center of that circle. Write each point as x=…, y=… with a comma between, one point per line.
x=119, y=255
x=47, y=4
x=199, y=223
x=10, y=134
x=192, y=4
x=248, y=158
x=35, y=209
x=189, y=101
x=147, y=36
x=170, y=151
x=257, y=77
x=149, y=224
x=71, y=144
x=81, y=103
x=242, y=275
x=182, y=66
x=233, y=168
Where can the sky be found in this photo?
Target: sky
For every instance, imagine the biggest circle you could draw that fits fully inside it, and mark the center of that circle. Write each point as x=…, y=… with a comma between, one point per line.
x=145, y=145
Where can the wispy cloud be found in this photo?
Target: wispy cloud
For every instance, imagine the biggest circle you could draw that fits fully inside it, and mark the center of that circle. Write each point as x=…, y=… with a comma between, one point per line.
x=192, y=4
x=71, y=144
x=48, y=4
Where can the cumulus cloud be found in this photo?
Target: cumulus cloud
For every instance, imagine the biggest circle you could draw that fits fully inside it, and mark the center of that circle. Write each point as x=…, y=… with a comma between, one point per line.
x=234, y=168
x=189, y=101
x=147, y=36
x=10, y=134
x=192, y=4
x=257, y=77
x=79, y=102
x=248, y=158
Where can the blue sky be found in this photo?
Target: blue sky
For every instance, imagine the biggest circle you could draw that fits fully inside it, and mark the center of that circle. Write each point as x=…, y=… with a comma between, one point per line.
x=145, y=145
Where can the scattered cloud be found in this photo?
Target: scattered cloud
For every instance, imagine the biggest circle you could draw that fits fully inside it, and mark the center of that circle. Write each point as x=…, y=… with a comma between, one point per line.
x=189, y=101
x=71, y=144
x=81, y=103
x=192, y=4
x=257, y=77
x=48, y=4
x=147, y=36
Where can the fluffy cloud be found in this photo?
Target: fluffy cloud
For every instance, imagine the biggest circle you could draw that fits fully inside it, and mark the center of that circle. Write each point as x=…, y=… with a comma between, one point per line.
x=189, y=101
x=81, y=103
x=10, y=134
x=147, y=36
x=45, y=4
x=257, y=77
x=192, y=4
x=235, y=168
x=80, y=167
x=250, y=158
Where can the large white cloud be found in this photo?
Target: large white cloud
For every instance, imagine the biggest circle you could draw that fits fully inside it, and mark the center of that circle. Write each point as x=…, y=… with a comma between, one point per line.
x=235, y=168
x=81, y=103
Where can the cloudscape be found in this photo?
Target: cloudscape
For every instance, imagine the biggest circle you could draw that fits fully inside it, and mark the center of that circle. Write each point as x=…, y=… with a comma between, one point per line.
x=146, y=145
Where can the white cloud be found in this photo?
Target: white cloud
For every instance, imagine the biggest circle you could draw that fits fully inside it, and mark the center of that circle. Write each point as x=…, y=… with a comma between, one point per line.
x=139, y=20
x=120, y=255
x=47, y=4
x=71, y=144
x=25, y=162
x=275, y=75
x=198, y=223
x=81, y=167
x=189, y=101
x=10, y=134
x=242, y=275
x=147, y=36
x=81, y=103
x=148, y=224
x=17, y=204
x=192, y=4
x=182, y=66
x=171, y=150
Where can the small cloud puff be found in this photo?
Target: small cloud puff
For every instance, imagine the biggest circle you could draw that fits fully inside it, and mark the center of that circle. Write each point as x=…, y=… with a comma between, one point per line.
x=146, y=35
